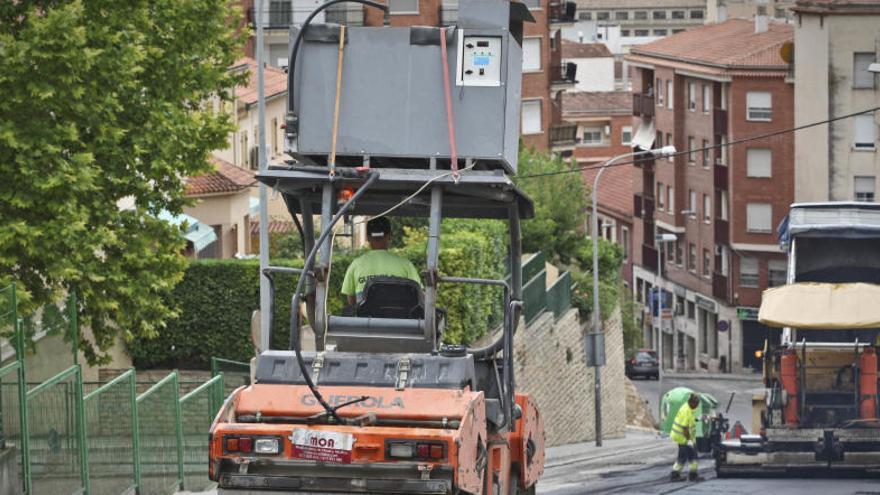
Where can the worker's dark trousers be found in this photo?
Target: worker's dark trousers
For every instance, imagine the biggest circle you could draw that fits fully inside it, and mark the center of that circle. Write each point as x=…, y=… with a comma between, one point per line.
x=686, y=455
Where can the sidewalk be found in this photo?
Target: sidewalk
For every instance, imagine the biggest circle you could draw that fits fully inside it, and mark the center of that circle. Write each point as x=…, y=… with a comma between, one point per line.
x=700, y=375
x=638, y=441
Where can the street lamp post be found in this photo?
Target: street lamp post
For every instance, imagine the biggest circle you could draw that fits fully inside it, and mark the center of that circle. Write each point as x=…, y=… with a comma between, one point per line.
x=596, y=320
x=662, y=240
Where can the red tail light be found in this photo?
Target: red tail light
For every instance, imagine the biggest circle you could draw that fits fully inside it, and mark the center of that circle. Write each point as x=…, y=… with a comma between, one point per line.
x=246, y=444
x=405, y=449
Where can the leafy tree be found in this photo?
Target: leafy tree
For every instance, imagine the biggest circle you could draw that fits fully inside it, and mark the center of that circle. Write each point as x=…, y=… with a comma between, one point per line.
x=560, y=205
x=104, y=103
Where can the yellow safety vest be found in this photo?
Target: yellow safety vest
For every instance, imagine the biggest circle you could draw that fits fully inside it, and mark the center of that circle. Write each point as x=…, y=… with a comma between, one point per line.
x=685, y=418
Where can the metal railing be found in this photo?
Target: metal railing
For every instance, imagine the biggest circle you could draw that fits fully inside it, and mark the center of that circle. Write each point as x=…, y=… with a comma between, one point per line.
x=565, y=73
x=563, y=135
x=236, y=373
x=537, y=297
x=562, y=12
x=643, y=105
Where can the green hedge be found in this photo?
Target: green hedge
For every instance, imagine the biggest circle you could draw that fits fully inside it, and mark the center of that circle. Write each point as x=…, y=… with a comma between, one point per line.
x=217, y=297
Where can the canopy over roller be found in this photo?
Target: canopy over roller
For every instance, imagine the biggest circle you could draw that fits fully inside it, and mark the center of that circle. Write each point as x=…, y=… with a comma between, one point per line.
x=821, y=306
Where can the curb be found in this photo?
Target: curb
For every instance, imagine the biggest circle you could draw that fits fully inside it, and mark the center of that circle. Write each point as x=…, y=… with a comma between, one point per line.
x=576, y=459
x=714, y=376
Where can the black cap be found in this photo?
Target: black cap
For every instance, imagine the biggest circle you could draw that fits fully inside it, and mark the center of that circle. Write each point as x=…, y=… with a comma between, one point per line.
x=379, y=227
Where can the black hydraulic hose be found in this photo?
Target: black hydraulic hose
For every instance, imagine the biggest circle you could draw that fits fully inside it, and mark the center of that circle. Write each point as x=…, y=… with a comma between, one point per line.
x=372, y=177
x=291, y=70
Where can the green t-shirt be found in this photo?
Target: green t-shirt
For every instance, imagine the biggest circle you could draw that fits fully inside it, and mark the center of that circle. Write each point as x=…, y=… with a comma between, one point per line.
x=376, y=263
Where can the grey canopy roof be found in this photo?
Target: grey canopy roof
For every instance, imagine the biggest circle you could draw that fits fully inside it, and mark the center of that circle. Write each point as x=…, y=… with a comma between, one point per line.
x=477, y=194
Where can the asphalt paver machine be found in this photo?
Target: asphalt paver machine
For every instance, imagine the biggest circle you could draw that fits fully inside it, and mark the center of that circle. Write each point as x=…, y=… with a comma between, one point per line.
x=383, y=405
x=820, y=409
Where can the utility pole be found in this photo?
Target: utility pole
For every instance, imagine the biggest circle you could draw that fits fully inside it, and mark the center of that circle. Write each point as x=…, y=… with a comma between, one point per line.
x=662, y=240
x=265, y=306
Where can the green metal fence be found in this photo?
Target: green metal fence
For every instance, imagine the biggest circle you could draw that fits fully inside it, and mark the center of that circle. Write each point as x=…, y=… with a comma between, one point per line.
x=110, y=440
x=110, y=423
x=235, y=373
x=559, y=295
x=197, y=411
x=535, y=296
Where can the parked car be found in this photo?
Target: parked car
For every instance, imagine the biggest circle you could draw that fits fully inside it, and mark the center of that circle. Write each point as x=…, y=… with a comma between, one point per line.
x=643, y=362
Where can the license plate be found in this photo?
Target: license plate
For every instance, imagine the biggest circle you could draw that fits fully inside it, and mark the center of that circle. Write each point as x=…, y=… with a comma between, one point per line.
x=321, y=445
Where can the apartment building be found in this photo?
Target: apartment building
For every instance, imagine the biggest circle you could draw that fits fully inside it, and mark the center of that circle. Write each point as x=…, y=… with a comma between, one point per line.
x=835, y=44
x=721, y=10
x=708, y=86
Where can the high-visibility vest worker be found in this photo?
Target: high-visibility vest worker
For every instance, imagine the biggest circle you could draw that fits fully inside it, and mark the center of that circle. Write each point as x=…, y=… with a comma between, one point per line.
x=684, y=433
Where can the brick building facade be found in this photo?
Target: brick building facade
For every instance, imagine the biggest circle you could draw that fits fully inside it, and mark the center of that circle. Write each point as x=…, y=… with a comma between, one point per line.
x=707, y=87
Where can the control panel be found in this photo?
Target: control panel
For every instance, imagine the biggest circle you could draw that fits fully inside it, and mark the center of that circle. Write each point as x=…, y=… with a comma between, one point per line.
x=479, y=60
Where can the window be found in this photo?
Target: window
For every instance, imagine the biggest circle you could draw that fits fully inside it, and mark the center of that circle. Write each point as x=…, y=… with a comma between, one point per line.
x=692, y=202
x=707, y=263
x=759, y=106
x=531, y=117
x=759, y=162
x=761, y=10
x=403, y=6
x=670, y=194
x=676, y=31
x=585, y=16
x=624, y=238
x=533, y=4
x=243, y=148
x=602, y=16
x=706, y=154
x=707, y=98
x=678, y=14
x=679, y=253
x=670, y=159
x=280, y=13
x=660, y=32
x=696, y=14
x=670, y=251
x=863, y=188
x=640, y=15
x=692, y=257
x=661, y=192
x=748, y=272
x=626, y=134
x=669, y=87
x=592, y=136
x=862, y=78
x=776, y=273
x=779, y=13
x=624, y=33
x=692, y=155
x=691, y=310
x=707, y=208
x=865, y=132
x=531, y=53
x=659, y=14
x=659, y=139
x=692, y=96
x=641, y=32
x=659, y=84
x=621, y=15
x=759, y=217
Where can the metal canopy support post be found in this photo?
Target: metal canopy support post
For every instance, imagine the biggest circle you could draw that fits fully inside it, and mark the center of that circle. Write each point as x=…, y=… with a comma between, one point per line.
x=514, y=306
x=433, y=257
x=322, y=285
x=265, y=307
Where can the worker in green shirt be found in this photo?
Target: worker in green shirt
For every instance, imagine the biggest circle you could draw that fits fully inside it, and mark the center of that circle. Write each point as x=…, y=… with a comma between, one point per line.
x=684, y=433
x=377, y=262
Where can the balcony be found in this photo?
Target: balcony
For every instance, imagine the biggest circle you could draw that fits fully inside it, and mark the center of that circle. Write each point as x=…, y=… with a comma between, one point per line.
x=719, y=121
x=643, y=106
x=563, y=137
x=563, y=76
x=719, y=286
x=720, y=177
x=637, y=205
x=648, y=208
x=649, y=258
x=562, y=12
x=644, y=162
x=722, y=231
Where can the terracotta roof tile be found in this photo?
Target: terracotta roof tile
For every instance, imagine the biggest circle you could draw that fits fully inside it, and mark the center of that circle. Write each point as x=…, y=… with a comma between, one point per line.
x=275, y=227
x=274, y=79
x=615, y=189
x=596, y=102
x=573, y=49
x=226, y=178
x=731, y=44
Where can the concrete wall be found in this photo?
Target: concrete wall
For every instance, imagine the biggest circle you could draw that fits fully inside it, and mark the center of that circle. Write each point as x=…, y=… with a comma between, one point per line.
x=228, y=211
x=550, y=366
x=594, y=74
x=10, y=479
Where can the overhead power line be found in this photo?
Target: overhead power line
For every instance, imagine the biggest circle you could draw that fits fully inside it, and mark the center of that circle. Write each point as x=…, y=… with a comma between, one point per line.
x=705, y=148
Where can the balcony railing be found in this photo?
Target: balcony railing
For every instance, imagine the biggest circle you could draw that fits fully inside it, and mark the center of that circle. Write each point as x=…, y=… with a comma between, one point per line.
x=648, y=208
x=649, y=257
x=719, y=286
x=562, y=12
x=564, y=74
x=720, y=177
x=643, y=106
x=563, y=135
x=722, y=231
x=719, y=121
x=637, y=205
x=644, y=162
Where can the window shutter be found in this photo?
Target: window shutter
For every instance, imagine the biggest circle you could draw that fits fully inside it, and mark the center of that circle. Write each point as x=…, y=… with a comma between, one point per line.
x=759, y=162
x=531, y=52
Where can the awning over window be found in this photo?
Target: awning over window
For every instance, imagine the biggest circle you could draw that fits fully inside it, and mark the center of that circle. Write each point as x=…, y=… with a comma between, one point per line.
x=818, y=306
x=199, y=234
x=254, y=209
x=644, y=138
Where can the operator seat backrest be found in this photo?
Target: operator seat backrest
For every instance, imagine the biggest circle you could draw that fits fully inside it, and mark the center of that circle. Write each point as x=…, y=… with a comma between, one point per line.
x=391, y=297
